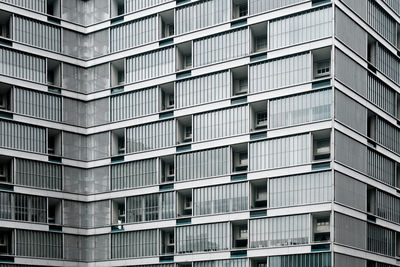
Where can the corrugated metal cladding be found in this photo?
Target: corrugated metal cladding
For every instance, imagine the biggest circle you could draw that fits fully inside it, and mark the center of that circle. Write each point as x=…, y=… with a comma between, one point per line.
x=23, y=207
x=280, y=231
x=302, y=108
x=91, y=147
x=22, y=137
x=38, y=174
x=346, y=148
x=388, y=63
x=350, y=73
x=204, y=237
x=300, y=189
x=201, y=164
x=85, y=46
x=37, y=104
x=394, y=4
x=359, y=7
x=152, y=64
x=201, y=14
x=350, y=192
x=381, y=240
x=258, y=6
x=221, y=199
x=350, y=231
x=381, y=21
x=22, y=65
x=280, y=72
x=134, y=104
x=350, y=33
x=387, y=135
x=134, y=244
x=131, y=34
x=37, y=5
x=85, y=12
x=350, y=112
x=86, y=80
x=280, y=152
x=302, y=260
x=134, y=5
x=300, y=28
x=231, y=263
x=221, y=47
x=134, y=174
x=86, y=215
x=380, y=167
x=36, y=33
x=381, y=94
x=39, y=244
x=203, y=89
x=387, y=206
x=349, y=261
x=150, y=136
x=86, y=248
x=221, y=123
x=86, y=181
x=150, y=207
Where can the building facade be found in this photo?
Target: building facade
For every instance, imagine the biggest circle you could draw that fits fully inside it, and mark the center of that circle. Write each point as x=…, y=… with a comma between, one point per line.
x=244, y=133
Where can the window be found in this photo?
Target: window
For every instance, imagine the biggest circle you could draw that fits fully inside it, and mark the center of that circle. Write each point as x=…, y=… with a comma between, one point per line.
x=184, y=202
x=5, y=24
x=184, y=129
x=167, y=169
x=240, y=235
x=261, y=119
x=321, y=145
x=167, y=23
x=240, y=158
x=239, y=8
x=117, y=72
x=240, y=81
x=167, y=95
x=184, y=56
x=323, y=69
x=321, y=63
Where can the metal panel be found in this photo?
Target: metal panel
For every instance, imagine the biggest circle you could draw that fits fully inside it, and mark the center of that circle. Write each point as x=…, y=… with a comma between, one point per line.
x=349, y=261
x=134, y=174
x=381, y=94
x=388, y=63
x=359, y=7
x=97, y=112
x=258, y=6
x=387, y=135
x=134, y=104
x=86, y=46
x=23, y=66
x=221, y=47
x=150, y=136
x=350, y=112
x=221, y=123
x=350, y=192
x=203, y=89
x=152, y=64
x=85, y=12
x=387, y=206
x=36, y=33
x=346, y=148
x=86, y=215
x=300, y=28
x=350, y=33
x=205, y=237
x=134, y=33
x=380, y=167
x=134, y=244
x=350, y=231
x=350, y=73
x=302, y=260
x=280, y=72
x=86, y=80
x=381, y=240
x=393, y=4
x=23, y=137
x=39, y=244
x=74, y=112
x=135, y=5
x=86, y=148
x=292, y=150
x=86, y=248
x=38, y=174
x=221, y=199
x=280, y=231
x=200, y=164
x=381, y=21
x=86, y=181
x=201, y=14
x=230, y=262
x=300, y=189
x=302, y=108
x=37, y=104
x=37, y=5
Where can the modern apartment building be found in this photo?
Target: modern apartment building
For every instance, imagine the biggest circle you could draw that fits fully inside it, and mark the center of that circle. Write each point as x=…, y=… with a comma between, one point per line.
x=200, y=133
